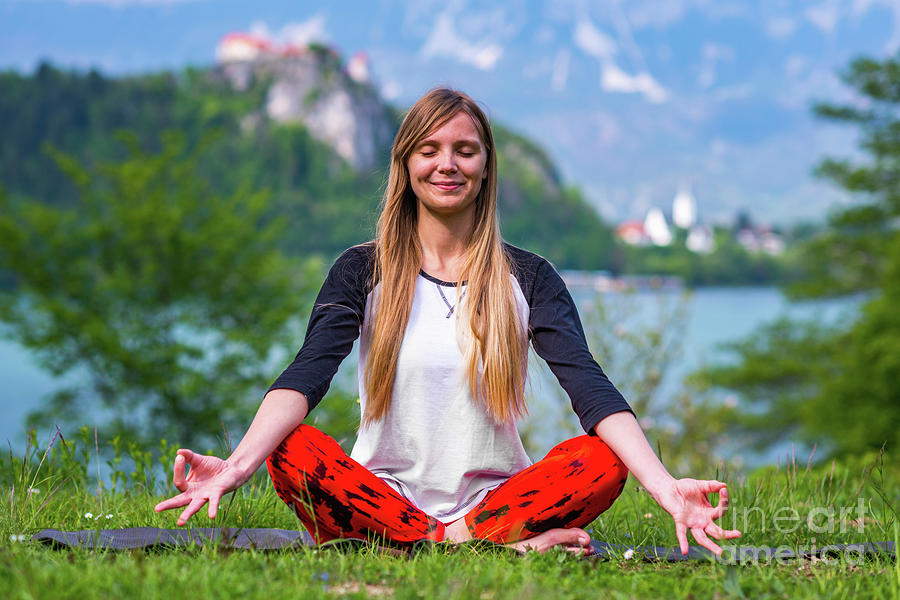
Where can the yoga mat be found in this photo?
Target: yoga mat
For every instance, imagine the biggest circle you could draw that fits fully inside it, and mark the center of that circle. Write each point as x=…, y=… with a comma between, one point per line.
x=131, y=538
x=276, y=539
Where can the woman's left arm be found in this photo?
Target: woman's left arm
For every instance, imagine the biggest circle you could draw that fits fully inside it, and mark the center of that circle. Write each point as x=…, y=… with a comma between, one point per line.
x=685, y=499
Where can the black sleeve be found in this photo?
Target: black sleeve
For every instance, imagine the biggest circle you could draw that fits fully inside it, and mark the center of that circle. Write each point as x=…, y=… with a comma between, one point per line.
x=558, y=337
x=333, y=326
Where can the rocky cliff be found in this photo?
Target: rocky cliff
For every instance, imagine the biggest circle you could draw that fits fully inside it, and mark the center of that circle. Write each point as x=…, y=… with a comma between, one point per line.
x=312, y=88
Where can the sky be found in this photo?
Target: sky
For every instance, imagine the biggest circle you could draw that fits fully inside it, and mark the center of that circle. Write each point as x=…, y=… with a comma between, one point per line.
x=632, y=99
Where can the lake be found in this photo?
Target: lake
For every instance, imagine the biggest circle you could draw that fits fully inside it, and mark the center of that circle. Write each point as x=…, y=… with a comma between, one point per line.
x=713, y=316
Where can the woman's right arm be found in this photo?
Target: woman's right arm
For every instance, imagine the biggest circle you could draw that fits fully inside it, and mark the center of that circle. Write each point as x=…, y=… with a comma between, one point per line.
x=333, y=326
x=210, y=477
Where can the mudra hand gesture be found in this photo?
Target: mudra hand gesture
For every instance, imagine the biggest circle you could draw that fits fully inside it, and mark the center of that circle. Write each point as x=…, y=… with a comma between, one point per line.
x=209, y=479
x=688, y=503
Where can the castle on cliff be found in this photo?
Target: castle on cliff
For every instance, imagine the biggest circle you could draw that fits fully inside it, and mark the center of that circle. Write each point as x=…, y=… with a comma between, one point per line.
x=310, y=85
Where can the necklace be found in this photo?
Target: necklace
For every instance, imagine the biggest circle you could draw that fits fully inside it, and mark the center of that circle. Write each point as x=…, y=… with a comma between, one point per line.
x=452, y=307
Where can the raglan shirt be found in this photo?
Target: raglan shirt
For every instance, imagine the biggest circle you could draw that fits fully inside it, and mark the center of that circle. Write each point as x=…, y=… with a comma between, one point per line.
x=437, y=446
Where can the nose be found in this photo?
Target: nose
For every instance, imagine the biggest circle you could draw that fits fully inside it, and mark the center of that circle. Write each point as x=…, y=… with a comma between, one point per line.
x=447, y=164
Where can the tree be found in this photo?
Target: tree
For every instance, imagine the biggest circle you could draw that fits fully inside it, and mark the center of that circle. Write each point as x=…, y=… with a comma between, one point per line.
x=839, y=385
x=170, y=302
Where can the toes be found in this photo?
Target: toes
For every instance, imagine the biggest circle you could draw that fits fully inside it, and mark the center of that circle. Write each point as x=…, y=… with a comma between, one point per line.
x=570, y=537
x=574, y=540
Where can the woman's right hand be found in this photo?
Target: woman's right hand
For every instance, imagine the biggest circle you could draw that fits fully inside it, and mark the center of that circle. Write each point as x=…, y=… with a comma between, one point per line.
x=209, y=479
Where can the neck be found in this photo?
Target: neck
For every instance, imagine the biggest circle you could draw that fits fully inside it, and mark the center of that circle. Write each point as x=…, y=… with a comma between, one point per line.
x=444, y=240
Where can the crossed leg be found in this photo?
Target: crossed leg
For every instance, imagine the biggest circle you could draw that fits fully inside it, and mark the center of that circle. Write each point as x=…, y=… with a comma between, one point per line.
x=544, y=505
x=336, y=497
x=549, y=502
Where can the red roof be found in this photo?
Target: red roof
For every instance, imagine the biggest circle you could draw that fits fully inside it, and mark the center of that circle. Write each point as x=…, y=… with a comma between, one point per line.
x=237, y=36
x=630, y=226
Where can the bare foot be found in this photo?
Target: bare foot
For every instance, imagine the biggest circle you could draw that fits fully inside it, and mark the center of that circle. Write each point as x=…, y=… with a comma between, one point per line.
x=574, y=540
x=457, y=532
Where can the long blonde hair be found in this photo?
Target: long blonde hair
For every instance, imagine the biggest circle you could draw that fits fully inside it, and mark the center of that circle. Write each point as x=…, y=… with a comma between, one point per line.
x=496, y=354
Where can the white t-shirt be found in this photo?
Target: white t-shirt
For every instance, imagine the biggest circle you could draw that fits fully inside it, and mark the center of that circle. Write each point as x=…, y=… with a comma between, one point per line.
x=437, y=446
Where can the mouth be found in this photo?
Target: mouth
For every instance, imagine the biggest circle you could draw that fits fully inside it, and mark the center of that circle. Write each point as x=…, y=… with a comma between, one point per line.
x=446, y=185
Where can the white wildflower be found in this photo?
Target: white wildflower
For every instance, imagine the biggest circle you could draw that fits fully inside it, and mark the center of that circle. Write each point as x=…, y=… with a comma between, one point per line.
x=628, y=554
x=17, y=537
x=32, y=490
x=648, y=515
x=88, y=515
x=108, y=517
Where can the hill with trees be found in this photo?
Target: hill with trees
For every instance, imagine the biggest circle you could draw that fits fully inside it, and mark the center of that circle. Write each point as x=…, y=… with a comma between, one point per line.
x=328, y=197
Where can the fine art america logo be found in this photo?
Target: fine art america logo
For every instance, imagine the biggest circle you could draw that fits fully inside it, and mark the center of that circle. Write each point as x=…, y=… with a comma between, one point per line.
x=788, y=520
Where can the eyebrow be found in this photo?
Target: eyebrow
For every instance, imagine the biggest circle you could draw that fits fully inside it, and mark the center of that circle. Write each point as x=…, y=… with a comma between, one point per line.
x=431, y=142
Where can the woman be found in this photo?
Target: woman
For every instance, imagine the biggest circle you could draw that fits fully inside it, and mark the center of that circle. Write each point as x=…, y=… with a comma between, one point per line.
x=445, y=311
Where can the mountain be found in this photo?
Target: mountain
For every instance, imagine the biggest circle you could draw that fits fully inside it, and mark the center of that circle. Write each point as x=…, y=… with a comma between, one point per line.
x=632, y=99
x=300, y=125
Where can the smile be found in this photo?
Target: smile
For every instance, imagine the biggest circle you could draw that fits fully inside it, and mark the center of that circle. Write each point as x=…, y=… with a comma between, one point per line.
x=447, y=185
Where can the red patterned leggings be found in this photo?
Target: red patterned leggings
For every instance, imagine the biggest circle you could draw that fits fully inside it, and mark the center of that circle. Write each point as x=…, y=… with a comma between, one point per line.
x=336, y=497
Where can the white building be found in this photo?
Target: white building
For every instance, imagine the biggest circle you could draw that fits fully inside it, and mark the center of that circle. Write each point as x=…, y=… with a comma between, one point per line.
x=684, y=209
x=700, y=239
x=358, y=67
x=632, y=233
x=242, y=47
x=656, y=228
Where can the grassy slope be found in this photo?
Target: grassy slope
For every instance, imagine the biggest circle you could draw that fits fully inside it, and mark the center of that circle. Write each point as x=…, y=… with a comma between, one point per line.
x=28, y=570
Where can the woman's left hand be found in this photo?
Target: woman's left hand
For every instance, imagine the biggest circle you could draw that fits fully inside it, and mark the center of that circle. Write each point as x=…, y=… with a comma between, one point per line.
x=688, y=503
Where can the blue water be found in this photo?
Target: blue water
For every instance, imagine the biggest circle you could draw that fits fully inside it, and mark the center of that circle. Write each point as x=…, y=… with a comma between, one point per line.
x=713, y=316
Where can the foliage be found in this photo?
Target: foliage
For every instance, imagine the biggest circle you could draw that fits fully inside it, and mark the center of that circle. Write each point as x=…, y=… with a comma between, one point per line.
x=165, y=298
x=537, y=212
x=328, y=205
x=853, y=254
x=839, y=385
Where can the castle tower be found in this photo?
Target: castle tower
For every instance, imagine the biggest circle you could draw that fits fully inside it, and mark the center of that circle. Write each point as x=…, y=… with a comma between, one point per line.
x=684, y=209
x=656, y=228
x=358, y=67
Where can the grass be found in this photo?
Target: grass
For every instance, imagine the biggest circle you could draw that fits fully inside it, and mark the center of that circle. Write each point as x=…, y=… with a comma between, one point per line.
x=778, y=506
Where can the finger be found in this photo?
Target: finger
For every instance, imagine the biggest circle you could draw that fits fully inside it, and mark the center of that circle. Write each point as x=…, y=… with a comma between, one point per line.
x=717, y=532
x=178, y=475
x=714, y=530
x=711, y=486
x=723, y=493
x=214, y=504
x=191, y=459
x=730, y=534
x=705, y=541
x=195, y=505
x=681, y=534
x=173, y=502
x=722, y=506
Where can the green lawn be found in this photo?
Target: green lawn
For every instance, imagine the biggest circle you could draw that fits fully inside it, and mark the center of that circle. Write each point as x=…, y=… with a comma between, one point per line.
x=790, y=506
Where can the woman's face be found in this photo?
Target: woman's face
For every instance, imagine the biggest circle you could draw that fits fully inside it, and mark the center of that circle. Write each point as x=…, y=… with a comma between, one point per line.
x=446, y=168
